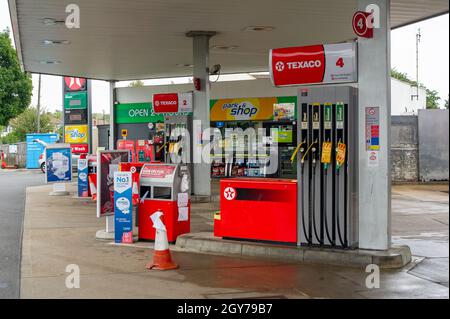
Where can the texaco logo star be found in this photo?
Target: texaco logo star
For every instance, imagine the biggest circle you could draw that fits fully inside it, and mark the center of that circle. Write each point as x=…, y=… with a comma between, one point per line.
x=74, y=83
x=279, y=66
x=133, y=169
x=229, y=193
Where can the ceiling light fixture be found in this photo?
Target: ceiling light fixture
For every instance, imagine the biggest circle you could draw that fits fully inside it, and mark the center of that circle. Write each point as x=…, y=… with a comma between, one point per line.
x=224, y=47
x=51, y=21
x=259, y=28
x=185, y=65
x=55, y=42
x=50, y=62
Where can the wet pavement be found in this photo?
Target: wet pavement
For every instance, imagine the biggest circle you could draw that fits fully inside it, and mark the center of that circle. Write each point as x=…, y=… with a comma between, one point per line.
x=61, y=231
x=421, y=220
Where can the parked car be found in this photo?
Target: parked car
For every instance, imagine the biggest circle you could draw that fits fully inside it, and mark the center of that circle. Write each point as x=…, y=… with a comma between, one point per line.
x=42, y=165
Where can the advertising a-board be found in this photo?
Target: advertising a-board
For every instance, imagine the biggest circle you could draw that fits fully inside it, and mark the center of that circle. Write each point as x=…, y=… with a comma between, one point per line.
x=58, y=161
x=107, y=164
x=123, y=208
x=83, y=184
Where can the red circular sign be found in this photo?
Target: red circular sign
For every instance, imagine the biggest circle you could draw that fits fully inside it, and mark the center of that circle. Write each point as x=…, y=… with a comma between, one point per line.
x=360, y=25
x=75, y=84
x=229, y=193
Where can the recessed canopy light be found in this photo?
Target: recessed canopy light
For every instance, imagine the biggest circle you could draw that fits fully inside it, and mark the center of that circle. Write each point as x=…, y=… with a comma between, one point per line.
x=224, y=47
x=50, y=62
x=51, y=21
x=55, y=42
x=185, y=65
x=259, y=28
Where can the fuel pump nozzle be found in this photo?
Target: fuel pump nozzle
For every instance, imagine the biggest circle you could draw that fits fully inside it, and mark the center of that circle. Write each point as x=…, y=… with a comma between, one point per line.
x=300, y=149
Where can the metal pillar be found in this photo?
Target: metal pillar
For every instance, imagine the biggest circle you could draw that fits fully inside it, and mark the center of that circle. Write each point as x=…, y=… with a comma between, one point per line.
x=89, y=115
x=375, y=91
x=201, y=172
x=112, y=126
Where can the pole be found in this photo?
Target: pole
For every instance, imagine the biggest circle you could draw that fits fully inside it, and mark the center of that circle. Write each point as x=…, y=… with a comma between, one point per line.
x=89, y=114
x=417, y=63
x=39, y=106
x=112, y=126
x=374, y=89
x=201, y=171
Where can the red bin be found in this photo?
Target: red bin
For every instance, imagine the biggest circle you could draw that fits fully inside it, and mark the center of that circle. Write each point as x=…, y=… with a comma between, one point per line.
x=259, y=209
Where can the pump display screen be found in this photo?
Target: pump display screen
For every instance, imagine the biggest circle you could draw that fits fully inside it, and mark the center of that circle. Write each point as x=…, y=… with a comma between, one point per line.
x=75, y=116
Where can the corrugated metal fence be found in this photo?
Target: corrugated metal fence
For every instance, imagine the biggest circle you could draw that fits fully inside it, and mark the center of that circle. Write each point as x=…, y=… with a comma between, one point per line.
x=18, y=158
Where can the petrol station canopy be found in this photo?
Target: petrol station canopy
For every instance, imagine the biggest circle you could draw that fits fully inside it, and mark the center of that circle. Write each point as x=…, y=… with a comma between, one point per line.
x=141, y=39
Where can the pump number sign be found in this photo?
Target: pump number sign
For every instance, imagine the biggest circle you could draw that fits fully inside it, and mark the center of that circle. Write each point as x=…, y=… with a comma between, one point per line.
x=315, y=64
x=362, y=24
x=172, y=102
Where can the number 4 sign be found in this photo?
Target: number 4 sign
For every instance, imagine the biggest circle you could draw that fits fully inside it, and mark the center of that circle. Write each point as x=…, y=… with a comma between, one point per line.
x=362, y=24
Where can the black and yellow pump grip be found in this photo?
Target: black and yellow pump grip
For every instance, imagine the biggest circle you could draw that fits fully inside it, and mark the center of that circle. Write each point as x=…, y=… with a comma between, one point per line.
x=307, y=150
x=296, y=151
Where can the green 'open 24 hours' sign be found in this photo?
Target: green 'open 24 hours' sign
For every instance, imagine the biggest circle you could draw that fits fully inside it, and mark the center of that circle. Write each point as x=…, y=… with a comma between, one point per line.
x=136, y=113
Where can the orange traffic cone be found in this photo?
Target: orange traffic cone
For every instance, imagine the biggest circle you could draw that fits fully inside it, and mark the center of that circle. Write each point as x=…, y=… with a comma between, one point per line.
x=162, y=259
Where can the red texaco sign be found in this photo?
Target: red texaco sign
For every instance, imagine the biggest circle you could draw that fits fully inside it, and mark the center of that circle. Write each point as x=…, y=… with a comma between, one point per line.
x=314, y=64
x=75, y=84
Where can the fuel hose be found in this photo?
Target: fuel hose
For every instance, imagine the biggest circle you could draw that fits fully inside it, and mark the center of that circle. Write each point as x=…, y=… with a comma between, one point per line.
x=314, y=201
x=338, y=209
x=302, y=199
x=325, y=205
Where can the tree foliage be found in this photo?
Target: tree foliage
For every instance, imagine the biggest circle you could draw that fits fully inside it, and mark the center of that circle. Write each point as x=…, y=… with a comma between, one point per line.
x=136, y=84
x=27, y=123
x=433, y=99
x=15, y=86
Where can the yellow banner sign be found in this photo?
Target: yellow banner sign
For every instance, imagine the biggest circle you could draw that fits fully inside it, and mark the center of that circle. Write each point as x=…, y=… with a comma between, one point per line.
x=243, y=109
x=340, y=155
x=76, y=134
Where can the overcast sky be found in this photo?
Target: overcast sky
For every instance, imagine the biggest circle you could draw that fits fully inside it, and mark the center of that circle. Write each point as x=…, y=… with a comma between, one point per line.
x=433, y=63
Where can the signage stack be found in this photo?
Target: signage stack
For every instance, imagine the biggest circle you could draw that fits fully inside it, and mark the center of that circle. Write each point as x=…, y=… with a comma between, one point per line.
x=76, y=108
